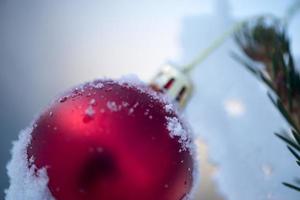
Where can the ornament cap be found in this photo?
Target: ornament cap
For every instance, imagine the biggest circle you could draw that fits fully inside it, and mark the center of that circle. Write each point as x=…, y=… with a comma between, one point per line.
x=174, y=83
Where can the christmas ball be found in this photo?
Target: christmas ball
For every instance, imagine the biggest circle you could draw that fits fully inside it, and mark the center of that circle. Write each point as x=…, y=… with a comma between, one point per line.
x=113, y=140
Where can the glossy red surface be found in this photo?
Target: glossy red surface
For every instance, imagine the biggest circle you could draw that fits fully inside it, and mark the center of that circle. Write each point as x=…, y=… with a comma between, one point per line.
x=110, y=143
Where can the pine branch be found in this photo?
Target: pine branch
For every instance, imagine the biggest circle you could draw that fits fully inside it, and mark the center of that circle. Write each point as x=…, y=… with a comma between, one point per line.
x=264, y=40
x=292, y=186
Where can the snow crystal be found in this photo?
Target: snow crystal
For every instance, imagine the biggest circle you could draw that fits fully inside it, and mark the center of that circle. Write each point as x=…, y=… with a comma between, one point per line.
x=26, y=181
x=93, y=102
x=146, y=112
x=169, y=107
x=63, y=99
x=136, y=105
x=90, y=111
x=112, y=106
x=176, y=129
x=125, y=104
x=98, y=85
x=131, y=110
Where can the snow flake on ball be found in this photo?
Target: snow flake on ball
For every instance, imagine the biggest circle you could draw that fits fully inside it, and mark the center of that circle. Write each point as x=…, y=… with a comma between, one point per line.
x=112, y=106
x=63, y=99
x=125, y=104
x=97, y=84
x=93, y=102
x=177, y=130
x=170, y=107
x=90, y=111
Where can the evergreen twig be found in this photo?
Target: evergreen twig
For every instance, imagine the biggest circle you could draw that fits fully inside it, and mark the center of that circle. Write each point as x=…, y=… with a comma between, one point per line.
x=264, y=40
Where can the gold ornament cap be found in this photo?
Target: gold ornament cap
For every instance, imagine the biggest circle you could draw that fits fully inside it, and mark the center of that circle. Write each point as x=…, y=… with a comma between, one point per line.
x=174, y=83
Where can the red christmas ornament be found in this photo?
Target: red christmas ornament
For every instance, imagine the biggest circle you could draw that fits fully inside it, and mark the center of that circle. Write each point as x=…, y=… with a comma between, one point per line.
x=109, y=141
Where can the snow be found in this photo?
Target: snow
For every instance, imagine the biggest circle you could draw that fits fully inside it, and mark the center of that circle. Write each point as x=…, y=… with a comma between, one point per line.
x=90, y=111
x=170, y=107
x=176, y=130
x=26, y=183
x=93, y=102
x=125, y=104
x=231, y=113
x=98, y=85
x=112, y=106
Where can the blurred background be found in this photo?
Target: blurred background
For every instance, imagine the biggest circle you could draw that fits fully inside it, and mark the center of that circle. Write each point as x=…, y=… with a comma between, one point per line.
x=48, y=46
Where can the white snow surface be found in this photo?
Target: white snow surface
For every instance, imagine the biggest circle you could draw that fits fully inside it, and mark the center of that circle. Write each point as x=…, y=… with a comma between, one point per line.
x=26, y=183
x=231, y=113
x=90, y=111
x=30, y=183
